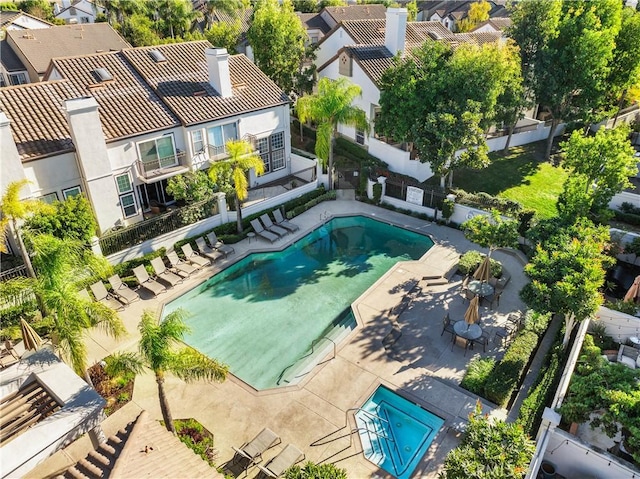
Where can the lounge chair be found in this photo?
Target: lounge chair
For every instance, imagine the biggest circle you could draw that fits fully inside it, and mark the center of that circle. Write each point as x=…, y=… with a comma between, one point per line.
x=193, y=257
x=84, y=294
x=122, y=291
x=280, y=221
x=163, y=273
x=286, y=458
x=253, y=449
x=269, y=226
x=260, y=231
x=207, y=251
x=215, y=243
x=146, y=282
x=101, y=294
x=180, y=267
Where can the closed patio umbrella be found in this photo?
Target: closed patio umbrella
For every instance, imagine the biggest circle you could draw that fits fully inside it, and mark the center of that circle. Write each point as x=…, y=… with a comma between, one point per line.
x=472, y=315
x=483, y=271
x=634, y=291
x=30, y=338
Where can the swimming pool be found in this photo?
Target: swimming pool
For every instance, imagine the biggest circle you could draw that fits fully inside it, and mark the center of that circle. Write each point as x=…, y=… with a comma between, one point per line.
x=395, y=433
x=262, y=314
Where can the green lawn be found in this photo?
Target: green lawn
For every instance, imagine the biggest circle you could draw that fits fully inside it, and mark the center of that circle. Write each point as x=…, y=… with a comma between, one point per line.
x=522, y=175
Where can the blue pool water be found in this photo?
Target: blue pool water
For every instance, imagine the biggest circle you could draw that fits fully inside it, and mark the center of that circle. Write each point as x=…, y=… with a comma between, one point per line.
x=395, y=433
x=262, y=314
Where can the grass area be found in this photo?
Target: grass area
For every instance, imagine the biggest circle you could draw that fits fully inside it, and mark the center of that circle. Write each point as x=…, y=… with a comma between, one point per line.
x=522, y=175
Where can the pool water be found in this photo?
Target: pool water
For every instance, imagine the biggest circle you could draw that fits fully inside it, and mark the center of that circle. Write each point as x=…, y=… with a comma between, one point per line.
x=395, y=433
x=262, y=314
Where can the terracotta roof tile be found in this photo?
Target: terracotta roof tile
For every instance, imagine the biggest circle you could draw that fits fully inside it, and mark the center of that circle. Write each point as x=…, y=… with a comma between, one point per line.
x=374, y=60
x=357, y=12
x=185, y=73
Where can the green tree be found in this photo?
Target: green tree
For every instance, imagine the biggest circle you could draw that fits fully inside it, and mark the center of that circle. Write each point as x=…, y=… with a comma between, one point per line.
x=224, y=35
x=71, y=219
x=328, y=108
x=175, y=16
x=38, y=8
x=478, y=13
x=489, y=449
x=412, y=10
x=305, y=6
x=191, y=187
x=331, y=3
x=139, y=30
x=491, y=231
x=232, y=7
x=14, y=211
x=315, y=471
x=157, y=351
x=600, y=168
x=567, y=272
x=242, y=158
x=278, y=39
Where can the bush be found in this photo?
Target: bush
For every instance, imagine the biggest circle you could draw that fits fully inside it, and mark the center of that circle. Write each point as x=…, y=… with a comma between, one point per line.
x=190, y=187
x=536, y=322
x=470, y=261
x=193, y=434
x=124, y=270
x=598, y=330
x=487, y=202
x=478, y=372
x=626, y=307
x=73, y=219
x=627, y=207
x=505, y=377
x=377, y=193
x=316, y=471
x=633, y=247
x=344, y=147
x=628, y=218
x=447, y=208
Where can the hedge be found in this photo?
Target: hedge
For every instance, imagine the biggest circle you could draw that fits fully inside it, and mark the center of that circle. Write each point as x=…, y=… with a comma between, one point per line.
x=629, y=218
x=125, y=270
x=505, y=377
x=487, y=202
x=470, y=261
x=477, y=373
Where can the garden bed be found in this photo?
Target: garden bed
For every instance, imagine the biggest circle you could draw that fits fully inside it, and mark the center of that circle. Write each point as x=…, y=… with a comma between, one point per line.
x=117, y=391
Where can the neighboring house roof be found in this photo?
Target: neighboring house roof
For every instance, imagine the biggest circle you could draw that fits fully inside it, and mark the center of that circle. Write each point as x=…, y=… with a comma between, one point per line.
x=356, y=12
x=313, y=21
x=9, y=59
x=498, y=23
x=38, y=120
x=183, y=83
x=8, y=17
x=143, y=448
x=374, y=60
x=128, y=106
x=90, y=9
x=39, y=46
x=459, y=9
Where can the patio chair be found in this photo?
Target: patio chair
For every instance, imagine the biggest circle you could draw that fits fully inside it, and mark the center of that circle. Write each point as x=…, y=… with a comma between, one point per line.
x=102, y=295
x=467, y=295
x=462, y=342
x=503, y=334
x=121, y=291
x=180, y=267
x=286, y=458
x=495, y=300
x=215, y=243
x=146, y=282
x=84, y=294
x=253, y=449
x=269, y=226
x=447, y=326
x=260, y=231
x=207, y=251
x=193, y=257
x=483, y=339
x=280, y=221
x=163, y=273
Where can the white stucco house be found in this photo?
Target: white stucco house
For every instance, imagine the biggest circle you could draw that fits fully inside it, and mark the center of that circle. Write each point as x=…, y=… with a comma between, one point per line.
x=116, y=126
x=77, y=11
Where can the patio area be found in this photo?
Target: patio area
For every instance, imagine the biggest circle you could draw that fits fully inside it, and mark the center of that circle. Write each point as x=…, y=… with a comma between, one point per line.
x=398, y=344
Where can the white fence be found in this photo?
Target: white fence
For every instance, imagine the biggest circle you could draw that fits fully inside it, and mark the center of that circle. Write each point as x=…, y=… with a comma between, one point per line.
x=540, y=132
x=624, y=197
x=399, y=160
x=408, y=206
x=619, y=326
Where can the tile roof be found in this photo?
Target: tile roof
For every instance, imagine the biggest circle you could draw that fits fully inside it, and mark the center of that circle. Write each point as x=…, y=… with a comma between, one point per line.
x=9, y=16
x=42, y=45
x=38, y=121
x=180, y=80
x=374, y=60
x=9, y=59
x=313, y=21
x=357, y=12
x=128, y=106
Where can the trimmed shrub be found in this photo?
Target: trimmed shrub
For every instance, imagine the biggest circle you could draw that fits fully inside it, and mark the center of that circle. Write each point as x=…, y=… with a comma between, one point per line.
x=125, y=270
x=485, y=201
x=628, y=218
x=505, y=377
x=478, y=372
x=316, y=471
x=470, y=261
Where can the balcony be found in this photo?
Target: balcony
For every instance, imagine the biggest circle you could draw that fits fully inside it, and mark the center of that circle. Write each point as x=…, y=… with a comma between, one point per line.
x=155, y=170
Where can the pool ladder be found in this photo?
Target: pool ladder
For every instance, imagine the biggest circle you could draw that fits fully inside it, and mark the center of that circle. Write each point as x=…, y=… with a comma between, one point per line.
x=313, y=345
x=389, y=440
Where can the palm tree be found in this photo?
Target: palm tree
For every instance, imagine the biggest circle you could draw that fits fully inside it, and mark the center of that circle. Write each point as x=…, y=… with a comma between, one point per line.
x=232, y=7
x=242, y=158
x=157, y=352
x=329, y=107
x=15, y=210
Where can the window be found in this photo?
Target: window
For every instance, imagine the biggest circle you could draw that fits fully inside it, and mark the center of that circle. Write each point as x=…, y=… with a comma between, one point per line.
x=18, y=78
x=158, y=153
x=271, y=150
x=84, y=19
x=359, y=136
x=127, y=198
x=72, y=11
x=3, y=81
x=217, y=137
x=69, y=192
x=197, y=141
x=314, y=39
x=50, y=198
x=263, y=147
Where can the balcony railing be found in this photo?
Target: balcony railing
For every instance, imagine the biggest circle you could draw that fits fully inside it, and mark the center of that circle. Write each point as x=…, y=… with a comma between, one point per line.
x=217, y=153
x=162, y=166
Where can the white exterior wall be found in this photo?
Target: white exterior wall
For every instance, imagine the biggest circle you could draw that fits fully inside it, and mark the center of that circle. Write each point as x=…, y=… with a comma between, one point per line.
x=53, y=174
x=83, y=9
x=619, y=326
x=24, y=21
x=330, y=46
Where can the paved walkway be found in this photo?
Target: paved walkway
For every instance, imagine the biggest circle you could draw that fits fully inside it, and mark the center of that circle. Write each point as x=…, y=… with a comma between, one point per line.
x=420, y=362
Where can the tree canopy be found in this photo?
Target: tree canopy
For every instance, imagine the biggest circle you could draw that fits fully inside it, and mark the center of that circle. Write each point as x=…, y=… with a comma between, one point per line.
x=69, y=219
x=491, y=231
x=478, y=13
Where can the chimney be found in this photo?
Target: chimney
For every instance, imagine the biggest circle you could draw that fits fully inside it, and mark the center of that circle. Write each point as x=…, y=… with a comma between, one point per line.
x=218, y=66
x=12, y=169
x=395, y=30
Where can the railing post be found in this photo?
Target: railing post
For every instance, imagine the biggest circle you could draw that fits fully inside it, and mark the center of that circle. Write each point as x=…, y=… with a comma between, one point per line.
x=95, y=246
x=222, y=207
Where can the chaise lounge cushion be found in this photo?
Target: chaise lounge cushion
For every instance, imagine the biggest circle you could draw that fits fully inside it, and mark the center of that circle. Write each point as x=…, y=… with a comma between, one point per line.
x=629, y=356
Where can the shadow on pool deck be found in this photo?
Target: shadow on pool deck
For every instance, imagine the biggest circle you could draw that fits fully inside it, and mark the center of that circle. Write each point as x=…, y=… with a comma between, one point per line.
x=420, y=362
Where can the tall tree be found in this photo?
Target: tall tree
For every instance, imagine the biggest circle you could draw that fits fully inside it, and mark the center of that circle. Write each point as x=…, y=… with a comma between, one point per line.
x=14, y=211
x=224, y=35
x=478, y=13
x=491, y=231
x=157, y=351
x=277, y=38
x=329, y=107
x=242, y=158
x=600, y=167
x=232, y=7
x=175, y=16
x=567, y=272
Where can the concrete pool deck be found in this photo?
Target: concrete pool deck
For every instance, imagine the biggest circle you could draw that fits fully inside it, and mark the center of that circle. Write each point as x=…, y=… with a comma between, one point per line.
x=415, y=360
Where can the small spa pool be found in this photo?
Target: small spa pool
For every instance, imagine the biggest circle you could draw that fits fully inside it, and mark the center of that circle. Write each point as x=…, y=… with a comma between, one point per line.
x=272, y=316
x=395, y=433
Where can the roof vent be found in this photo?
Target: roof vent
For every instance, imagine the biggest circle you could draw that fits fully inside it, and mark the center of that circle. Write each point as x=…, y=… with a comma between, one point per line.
x=102, y=74
x=157, y=56
x=200, y=93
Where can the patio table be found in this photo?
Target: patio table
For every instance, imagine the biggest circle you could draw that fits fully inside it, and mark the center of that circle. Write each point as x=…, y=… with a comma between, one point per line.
x=467, y=331
x=480, y=288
